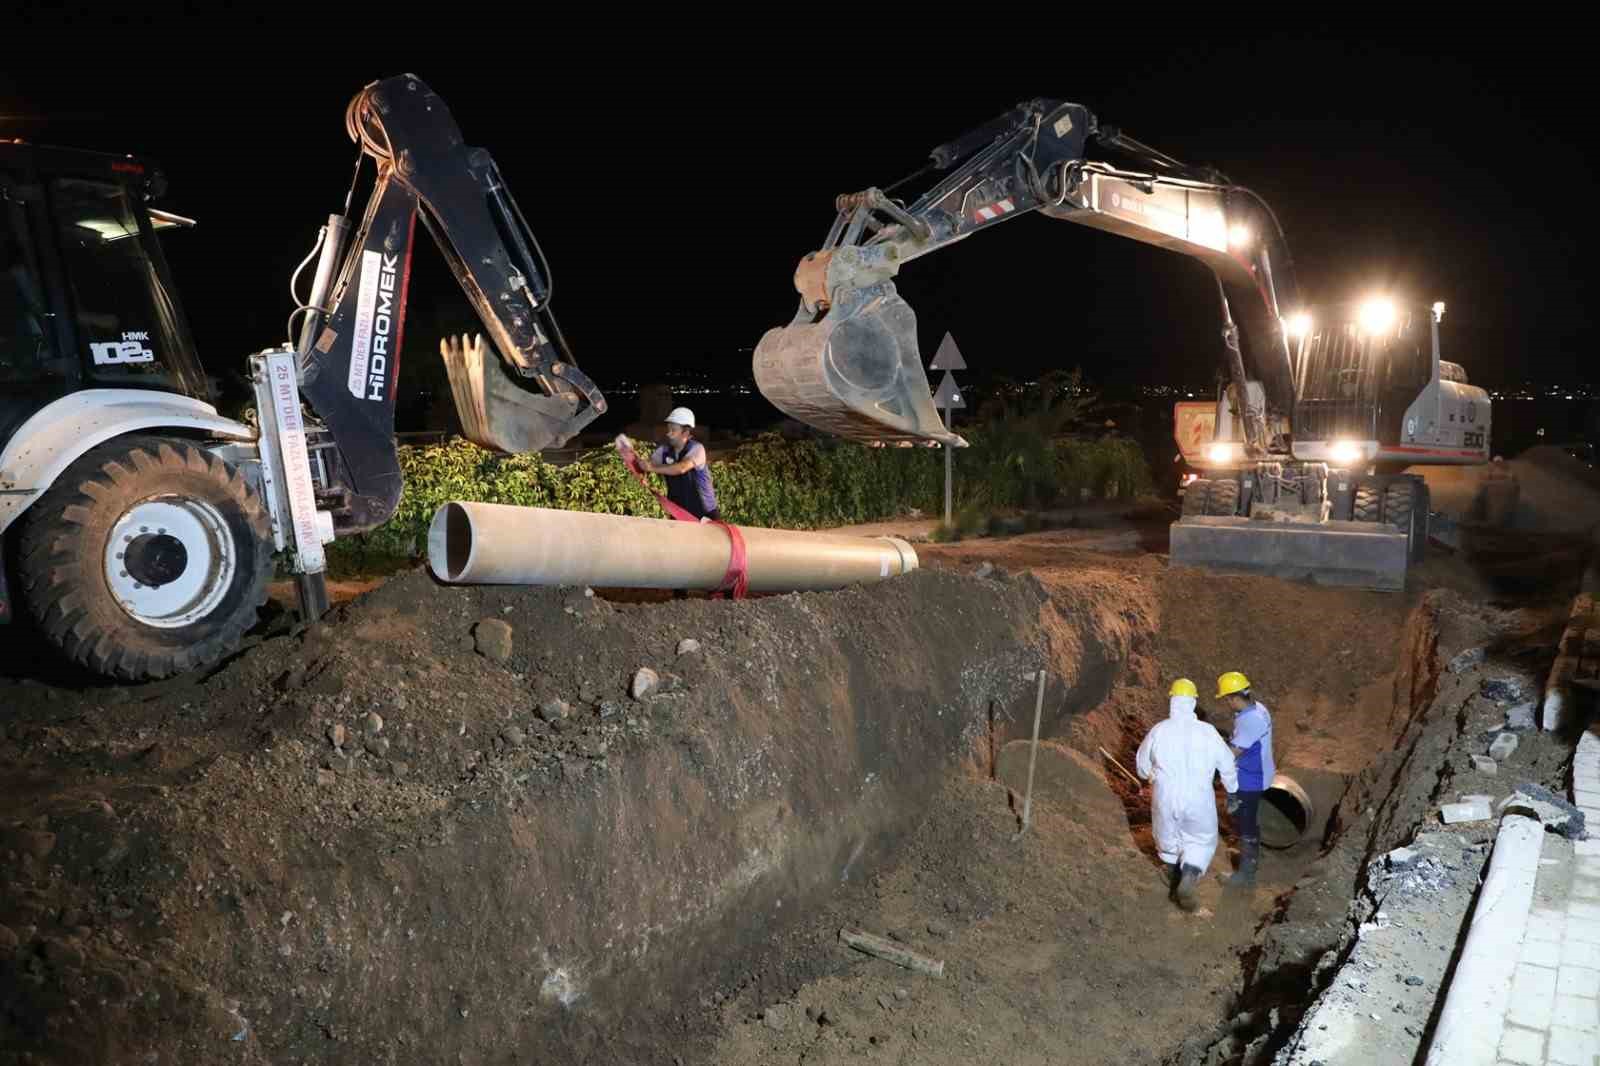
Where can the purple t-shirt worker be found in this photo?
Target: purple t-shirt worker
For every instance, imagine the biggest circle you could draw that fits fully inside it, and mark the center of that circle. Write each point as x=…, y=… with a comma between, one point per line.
x=682, y=463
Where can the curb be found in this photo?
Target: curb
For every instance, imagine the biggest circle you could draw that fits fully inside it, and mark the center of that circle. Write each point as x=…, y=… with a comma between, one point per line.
x=1578, y=654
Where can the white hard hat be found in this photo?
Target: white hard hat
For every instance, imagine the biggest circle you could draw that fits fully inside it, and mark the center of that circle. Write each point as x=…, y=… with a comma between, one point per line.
x=681, y=416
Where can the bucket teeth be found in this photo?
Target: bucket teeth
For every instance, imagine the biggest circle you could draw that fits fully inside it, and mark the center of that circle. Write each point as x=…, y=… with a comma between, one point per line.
x=855, y=373
x=495, y=412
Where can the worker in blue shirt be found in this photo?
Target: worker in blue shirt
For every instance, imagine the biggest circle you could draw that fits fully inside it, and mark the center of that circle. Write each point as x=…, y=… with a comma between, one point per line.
x=1252, y=749
x=682, y=463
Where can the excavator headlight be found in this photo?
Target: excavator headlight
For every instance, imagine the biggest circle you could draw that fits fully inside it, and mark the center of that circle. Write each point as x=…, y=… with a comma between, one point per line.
x=1438, y=311
x=1219, y=451
x=1298, y=325
x=1238, y=236
x=1376, y=316
x=1344, y=452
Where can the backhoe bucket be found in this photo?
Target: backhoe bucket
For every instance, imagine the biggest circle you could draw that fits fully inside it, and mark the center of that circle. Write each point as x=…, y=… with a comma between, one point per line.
x=856, y=373
x=495, y=412
x=1363, y=555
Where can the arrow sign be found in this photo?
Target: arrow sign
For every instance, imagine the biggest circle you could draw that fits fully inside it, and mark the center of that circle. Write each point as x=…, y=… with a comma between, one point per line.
x=948, y=395
x=948, y=357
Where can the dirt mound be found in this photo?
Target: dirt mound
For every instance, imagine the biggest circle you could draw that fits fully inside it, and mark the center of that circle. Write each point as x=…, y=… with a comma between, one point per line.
x=459, y=821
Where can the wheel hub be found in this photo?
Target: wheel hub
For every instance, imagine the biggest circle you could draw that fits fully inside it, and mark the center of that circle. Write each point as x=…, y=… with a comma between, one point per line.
x=169, y=561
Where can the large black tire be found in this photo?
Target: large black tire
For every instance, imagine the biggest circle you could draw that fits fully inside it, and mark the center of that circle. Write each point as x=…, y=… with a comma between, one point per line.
x=1194, y=497
x=63, y=561
x=1224, y=498
x=1405, y=508
x=1368, y=506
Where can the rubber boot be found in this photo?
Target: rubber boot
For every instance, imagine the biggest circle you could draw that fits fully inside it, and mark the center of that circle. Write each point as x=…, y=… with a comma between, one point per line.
x=1249, y=855
x=1185, y=890
x=1172, y=874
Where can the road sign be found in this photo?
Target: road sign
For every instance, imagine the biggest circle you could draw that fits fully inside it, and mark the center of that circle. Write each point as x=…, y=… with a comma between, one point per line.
x=948, y=357
x=948, y=396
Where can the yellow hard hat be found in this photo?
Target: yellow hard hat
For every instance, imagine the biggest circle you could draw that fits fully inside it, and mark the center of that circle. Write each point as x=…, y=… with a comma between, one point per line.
x=1183, y=687
x=1231, y=682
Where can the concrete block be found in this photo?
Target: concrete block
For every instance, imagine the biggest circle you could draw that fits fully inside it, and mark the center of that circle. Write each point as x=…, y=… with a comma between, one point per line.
x=1586, y=796
x=1503, y=746
x=1584, y=910
x=1523, y=716
x=1546, y=925
x=1464, y=812
x=1533, y=995
x=1587, y=847
x=1578, y=981
x=1577, y=953
x=1587, y=866
x=1523, y=1046
x=1401, y=858
x=1544, y=953
x=1570, y=1047
x=1572, y=1012
x=1585, y=889
x=1485, y=765
x=1582, y=929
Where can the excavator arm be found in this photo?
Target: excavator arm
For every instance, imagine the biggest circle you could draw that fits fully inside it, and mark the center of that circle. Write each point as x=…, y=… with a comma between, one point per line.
x=520, y=391
x=848, y=362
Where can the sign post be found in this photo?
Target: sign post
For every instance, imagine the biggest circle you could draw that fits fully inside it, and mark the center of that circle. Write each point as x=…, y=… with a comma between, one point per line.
x=947, y=399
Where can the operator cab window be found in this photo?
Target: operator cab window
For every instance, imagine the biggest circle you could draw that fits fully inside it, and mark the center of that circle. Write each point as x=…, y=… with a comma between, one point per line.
x=27, y=351
x=126, y=320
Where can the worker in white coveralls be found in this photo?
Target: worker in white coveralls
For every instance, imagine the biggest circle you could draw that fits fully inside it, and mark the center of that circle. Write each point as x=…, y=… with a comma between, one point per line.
x=1180, y=755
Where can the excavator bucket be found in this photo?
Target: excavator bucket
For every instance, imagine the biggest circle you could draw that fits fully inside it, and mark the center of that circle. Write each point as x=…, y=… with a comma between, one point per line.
x=855, y=372
x=495, y=412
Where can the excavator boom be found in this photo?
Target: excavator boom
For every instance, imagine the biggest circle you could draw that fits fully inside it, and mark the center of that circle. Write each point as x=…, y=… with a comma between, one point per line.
x=848, y=362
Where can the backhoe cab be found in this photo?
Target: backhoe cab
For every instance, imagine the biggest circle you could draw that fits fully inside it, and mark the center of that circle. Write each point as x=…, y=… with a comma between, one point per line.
x=140, y=525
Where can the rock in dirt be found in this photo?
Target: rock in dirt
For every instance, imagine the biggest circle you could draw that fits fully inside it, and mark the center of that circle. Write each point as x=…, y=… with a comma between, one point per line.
x=1414, y=981
x=885, y=1002
x=1485, y=765
x=493, y=639
x=337, y=735
x=1401, y=858
x=902, y=994
x=776, y=1017
x=554, y=711
x=938, y=929
x=985, y=570
x=8, y=941
x=644, y=682
x=1555, y=812
x=1467, y=660
x=1523, y=716
x=378, y=746
x=688, y=646
x=514, y=737
x=1476, y=811
x=1503, y=688
x=1503, y=746
x=952, y=905
x=326, y=778
x=372, y=723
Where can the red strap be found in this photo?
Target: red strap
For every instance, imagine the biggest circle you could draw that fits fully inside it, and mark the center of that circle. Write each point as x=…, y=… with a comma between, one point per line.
x=737, y=578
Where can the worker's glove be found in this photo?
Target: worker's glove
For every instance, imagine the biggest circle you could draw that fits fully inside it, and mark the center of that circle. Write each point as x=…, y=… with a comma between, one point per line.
x=1233, y=803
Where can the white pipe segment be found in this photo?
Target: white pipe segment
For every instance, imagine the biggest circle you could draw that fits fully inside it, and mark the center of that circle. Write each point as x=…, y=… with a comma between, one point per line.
x=496, y=544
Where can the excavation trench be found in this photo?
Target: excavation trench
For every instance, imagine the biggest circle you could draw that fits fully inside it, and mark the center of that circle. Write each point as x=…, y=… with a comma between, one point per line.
x=417, y=834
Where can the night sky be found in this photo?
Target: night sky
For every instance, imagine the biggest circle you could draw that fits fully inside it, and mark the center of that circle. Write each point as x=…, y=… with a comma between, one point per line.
x=675, y=178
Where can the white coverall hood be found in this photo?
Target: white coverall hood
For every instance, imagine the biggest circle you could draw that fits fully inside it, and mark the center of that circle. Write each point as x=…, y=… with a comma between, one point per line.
x=1180, y=755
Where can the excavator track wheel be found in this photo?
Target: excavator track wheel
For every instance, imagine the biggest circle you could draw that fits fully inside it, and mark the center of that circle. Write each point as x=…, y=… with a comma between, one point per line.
x=1368, y=503
x=1224, y=498
x=1405, y=507
x=1194, y=497
x=148, y=557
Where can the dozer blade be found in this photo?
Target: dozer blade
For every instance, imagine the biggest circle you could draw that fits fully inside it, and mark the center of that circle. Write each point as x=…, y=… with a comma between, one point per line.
x=1349, y=554
x=856, y=373
x=498, y=414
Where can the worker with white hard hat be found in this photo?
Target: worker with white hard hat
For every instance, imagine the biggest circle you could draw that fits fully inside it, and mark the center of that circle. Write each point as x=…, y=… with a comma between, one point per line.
x=682, y=462
x=1182, y=754
x=1252, y=746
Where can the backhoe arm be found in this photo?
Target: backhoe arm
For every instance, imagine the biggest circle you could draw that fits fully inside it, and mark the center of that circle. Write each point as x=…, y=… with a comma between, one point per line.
x=521, y=392
x=848, y=362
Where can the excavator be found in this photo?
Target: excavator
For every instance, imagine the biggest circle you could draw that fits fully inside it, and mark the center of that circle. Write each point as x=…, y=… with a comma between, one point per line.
x=1305, y=455
x=141, y=526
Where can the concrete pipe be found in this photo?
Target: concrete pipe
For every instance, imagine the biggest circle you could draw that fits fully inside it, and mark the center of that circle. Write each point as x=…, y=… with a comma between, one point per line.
x=495, y=544
x=1287, y=813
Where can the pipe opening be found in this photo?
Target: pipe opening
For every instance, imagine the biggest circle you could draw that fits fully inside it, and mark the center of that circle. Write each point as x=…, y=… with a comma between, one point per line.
x=457, y=540
x=1286, y=812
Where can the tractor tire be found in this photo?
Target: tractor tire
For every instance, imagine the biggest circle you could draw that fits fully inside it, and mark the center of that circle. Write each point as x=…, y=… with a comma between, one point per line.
x=1223, y=499
x=148, y=557
x=1405, y=509
x=1368, y=505
x=1194, y=497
